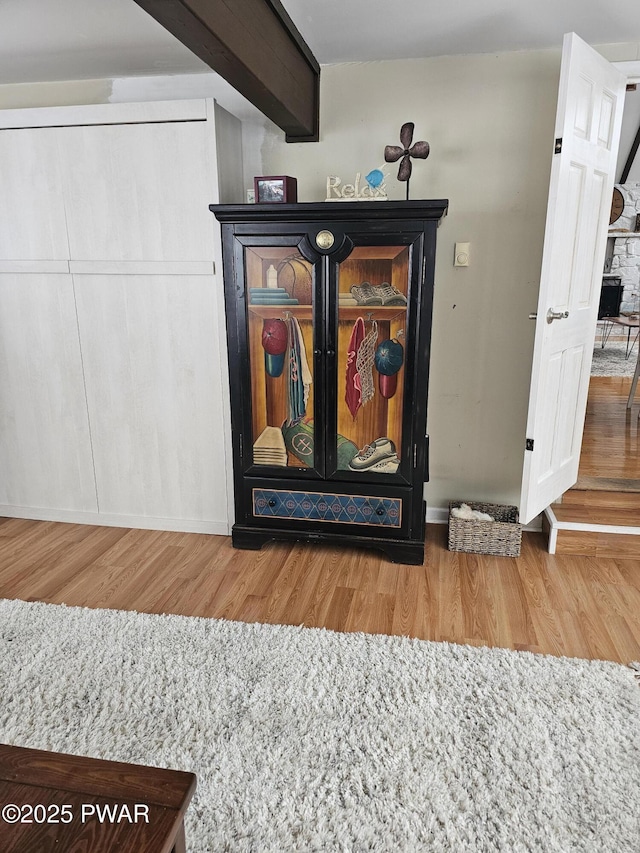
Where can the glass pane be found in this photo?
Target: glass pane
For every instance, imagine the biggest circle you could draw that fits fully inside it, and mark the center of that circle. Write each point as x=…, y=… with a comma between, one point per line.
x=372, y=314
x=280, y=336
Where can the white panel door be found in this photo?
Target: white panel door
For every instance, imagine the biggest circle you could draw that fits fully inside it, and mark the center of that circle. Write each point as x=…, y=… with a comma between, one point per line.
x=139, y=192
x=589, y=115
x=154, y=392
x=32, y=215
x=45, y=449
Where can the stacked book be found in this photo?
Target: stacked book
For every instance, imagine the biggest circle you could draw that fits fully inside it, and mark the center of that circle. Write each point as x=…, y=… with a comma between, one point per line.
x=269, y=448
x=270, y=296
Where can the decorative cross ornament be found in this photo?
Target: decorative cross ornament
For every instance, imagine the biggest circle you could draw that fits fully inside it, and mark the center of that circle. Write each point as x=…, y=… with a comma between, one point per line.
x=393, y=153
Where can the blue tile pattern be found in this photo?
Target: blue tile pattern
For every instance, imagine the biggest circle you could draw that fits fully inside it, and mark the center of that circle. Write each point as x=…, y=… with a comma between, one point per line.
x=315, y=506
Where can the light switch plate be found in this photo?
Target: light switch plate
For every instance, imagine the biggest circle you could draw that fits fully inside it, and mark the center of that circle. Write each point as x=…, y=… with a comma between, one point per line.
x=461, y=255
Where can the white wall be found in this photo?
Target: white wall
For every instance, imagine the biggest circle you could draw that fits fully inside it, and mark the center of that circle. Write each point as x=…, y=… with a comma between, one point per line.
x=59, y=94
x=489, y=120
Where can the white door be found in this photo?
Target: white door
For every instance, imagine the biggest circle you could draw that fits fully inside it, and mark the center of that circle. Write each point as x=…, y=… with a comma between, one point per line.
x=45, y=443
x=588, y=119
x=32, y=214
x=138, y=192
x=153, y=398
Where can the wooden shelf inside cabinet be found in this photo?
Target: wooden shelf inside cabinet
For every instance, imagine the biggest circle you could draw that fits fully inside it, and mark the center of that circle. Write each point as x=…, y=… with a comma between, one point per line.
x=378, y=312
x=302, y=312
x=351, y=312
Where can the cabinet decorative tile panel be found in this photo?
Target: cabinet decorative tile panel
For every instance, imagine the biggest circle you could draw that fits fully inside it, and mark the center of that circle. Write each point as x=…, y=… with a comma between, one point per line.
x=321, y=506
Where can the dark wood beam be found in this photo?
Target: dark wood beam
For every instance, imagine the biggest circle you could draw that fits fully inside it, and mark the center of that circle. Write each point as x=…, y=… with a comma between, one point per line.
x=630, y=158
x=256, y=47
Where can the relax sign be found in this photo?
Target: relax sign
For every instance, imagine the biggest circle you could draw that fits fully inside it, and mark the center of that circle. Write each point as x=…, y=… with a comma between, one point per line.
x=372, y=188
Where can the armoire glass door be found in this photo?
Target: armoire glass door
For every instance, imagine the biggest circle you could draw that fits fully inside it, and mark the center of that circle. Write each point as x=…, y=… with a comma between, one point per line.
x=372, y=292
x=280, y=308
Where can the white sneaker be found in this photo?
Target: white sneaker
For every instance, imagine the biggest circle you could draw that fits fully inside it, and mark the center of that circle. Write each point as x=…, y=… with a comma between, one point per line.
x=380, y=450
x=387, y=466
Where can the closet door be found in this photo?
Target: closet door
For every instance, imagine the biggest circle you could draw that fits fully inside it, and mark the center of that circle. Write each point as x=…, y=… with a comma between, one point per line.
x=112, y=404
x=154, y=394
x=32, y=215
x=45, y=450
x=139, y=192
x=142, y=250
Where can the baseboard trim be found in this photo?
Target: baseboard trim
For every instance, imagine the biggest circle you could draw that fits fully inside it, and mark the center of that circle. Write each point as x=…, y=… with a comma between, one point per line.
x=437, y=515
x=139, y=522
x=440, y=515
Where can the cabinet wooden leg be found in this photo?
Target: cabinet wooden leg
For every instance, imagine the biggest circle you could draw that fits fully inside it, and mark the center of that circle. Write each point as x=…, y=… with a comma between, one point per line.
x=410, y=555
x=249, y=540
x=407, y=553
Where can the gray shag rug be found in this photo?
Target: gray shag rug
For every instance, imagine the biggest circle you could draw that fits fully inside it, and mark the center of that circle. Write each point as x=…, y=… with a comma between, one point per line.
x=612, y=361
x=308, y=740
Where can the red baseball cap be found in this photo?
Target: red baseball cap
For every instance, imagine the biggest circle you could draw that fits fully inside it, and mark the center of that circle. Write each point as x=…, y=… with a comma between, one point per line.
x=274, y=336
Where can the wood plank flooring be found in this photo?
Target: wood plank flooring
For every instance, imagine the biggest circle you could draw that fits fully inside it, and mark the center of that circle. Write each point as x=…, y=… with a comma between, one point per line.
x=611, y=439
x=600, y=516
x=559, y=605
x=601, y=507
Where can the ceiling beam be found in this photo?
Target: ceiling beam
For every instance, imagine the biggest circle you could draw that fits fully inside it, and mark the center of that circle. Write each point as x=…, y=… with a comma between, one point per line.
x=256, y=47
x=630, y=158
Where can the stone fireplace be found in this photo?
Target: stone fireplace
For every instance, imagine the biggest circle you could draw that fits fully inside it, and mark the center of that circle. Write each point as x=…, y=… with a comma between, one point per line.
x=623, y=249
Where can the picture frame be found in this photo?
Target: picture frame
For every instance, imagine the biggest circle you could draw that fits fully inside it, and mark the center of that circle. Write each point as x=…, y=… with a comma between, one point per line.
x=275, y=189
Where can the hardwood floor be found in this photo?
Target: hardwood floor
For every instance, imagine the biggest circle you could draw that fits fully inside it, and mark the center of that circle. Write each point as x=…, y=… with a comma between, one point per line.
x=559, y=605
x=600, y=515
x=611, y=440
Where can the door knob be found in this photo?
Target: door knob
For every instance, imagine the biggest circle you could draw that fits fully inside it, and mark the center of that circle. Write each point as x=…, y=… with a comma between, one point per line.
x=556, y=315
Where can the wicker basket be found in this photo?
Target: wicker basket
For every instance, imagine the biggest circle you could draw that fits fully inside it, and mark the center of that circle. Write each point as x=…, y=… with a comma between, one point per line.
x=502, y=536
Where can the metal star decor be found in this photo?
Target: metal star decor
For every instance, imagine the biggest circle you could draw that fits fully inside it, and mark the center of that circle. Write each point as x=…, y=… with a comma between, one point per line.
x=393, y=153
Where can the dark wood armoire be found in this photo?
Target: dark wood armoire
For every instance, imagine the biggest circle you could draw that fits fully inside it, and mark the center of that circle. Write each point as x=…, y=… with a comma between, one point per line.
x=329, y=328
